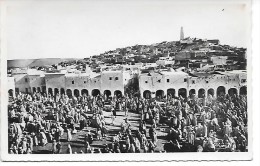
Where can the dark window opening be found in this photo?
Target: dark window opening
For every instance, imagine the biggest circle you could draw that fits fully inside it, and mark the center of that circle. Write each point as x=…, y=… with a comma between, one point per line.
x=168, y=80
x=72, y=82
x=185, y=79
x=116, y=78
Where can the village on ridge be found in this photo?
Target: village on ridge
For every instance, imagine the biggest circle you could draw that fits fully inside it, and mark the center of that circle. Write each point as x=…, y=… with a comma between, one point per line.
x=188, y=66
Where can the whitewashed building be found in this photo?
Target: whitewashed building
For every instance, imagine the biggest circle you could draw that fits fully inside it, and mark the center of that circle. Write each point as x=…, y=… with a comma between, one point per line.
x=109, y=83
x=29, y=81
x=176, y=83
x=158, y=83
x=55, y=83
x=113, y=82
x=165, y=61
x=219, y=60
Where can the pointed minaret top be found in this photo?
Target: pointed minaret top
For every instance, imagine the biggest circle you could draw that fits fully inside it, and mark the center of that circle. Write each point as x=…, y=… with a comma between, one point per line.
x=181, y=34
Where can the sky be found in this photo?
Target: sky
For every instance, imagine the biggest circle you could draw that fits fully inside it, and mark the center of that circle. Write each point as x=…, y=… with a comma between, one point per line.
x=79, y=29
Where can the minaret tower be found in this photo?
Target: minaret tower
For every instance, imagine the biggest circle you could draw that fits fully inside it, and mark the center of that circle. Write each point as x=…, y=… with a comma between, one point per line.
x=181, y=34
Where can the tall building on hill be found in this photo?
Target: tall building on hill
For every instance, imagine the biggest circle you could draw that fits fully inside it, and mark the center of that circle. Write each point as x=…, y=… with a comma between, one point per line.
x=181, y=34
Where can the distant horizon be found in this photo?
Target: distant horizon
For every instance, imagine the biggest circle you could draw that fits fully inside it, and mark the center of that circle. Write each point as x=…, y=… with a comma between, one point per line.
x=51, y=29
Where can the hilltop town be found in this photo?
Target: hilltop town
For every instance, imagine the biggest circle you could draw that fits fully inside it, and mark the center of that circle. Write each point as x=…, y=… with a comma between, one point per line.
x=188, y=52
x=192, y=56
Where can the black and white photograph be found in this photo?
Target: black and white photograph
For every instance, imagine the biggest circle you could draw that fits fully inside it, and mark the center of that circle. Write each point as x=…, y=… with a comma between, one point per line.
x=115, y=78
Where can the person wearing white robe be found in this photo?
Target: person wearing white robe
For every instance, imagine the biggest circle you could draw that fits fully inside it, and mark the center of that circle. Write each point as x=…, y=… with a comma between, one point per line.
x=69, y=150
x=137, y=144
x=54, y=147
x=43, y=138
x=69, y=136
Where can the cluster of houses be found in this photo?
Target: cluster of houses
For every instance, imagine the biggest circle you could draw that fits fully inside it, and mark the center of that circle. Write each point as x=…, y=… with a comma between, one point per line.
x=188, y=52
x=185, y=67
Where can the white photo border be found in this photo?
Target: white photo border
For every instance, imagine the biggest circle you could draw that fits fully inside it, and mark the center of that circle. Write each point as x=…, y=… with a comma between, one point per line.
x=188, y=156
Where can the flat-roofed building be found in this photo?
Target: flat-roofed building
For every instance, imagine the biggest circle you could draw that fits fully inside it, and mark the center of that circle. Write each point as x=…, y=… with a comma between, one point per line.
x=178, y=83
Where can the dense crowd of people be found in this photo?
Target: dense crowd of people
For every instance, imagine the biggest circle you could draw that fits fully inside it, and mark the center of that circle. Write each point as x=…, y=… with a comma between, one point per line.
x=191, y=124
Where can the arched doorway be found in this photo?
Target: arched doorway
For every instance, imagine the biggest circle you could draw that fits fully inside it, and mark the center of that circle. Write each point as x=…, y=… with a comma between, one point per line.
x=43, y=89
x=243, y=90
x=84, y=92
x=147, y=94
x=221, y=91
x=62, y=91
x=56, y=91
x=50, y=91
x=34, y=89
x=201, y=93
x=118, y=93
x=159, y=93
x=76, y=92
x=171, y=92
x=17, y=90
x=95, y=92
x=211, y=92
x=38, y=89
x=182, y=92
x=232, y=91
x=69, y=93
x=192, y=92
x=107, y=93
x=11, y=92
